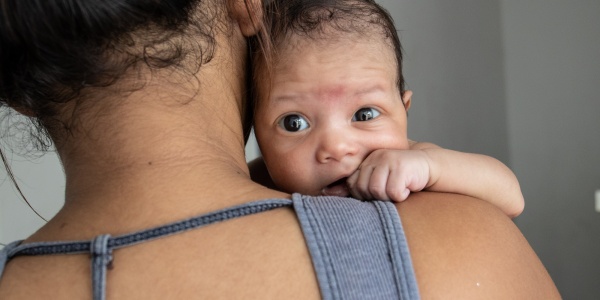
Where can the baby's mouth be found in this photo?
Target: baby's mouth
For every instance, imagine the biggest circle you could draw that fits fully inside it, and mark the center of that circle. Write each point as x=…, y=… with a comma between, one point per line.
x=337, y=188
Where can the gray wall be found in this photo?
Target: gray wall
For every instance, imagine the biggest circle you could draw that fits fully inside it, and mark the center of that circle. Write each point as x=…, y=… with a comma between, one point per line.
x=553, y=91
x=42, y=181
x=518, y=80
x=454, y=65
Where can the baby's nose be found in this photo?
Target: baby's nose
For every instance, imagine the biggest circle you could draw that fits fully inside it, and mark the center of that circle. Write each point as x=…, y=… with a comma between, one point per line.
x=335, y=145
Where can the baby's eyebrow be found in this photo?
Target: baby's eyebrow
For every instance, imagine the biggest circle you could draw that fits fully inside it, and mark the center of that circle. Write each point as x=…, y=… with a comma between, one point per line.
x=285, y=98
x=369, y=90
x=292, y=97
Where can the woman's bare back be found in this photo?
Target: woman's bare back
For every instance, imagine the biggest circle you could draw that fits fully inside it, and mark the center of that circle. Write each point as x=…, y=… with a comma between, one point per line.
x=461, y=248
x=257, y=256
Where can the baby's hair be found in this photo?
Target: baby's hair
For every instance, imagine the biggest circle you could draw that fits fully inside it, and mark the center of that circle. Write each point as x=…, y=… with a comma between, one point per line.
x=314, y=19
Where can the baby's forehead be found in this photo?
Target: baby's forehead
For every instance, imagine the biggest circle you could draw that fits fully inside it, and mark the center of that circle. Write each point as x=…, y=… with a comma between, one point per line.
x=329, y=37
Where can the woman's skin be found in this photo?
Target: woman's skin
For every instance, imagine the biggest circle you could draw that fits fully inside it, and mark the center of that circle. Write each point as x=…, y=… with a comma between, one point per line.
x=465, y=248
x=157, y=157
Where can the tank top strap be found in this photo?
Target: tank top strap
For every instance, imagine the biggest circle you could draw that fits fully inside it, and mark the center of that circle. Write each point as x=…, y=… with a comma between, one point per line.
x=358, y=249
x=4, y=254
x=101, y=247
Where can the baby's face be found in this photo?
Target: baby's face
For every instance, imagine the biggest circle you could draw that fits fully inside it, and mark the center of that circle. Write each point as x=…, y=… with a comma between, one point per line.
x=329, y=106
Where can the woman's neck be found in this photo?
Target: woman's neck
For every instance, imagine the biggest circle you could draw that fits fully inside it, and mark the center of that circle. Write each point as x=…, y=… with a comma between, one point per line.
x=156, y=156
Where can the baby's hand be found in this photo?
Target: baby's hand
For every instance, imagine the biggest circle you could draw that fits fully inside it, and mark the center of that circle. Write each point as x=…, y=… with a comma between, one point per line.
x=388, y=174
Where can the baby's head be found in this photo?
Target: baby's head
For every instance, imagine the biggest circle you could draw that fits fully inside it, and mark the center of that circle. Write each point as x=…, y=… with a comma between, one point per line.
x=333, y=94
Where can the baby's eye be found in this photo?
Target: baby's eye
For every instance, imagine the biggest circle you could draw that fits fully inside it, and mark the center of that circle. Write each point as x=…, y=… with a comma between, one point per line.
x=365, y=114
x=293, y=123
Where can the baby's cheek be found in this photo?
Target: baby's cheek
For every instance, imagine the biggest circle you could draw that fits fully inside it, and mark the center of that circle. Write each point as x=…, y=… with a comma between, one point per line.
x=284, y=175
x=392, y=141
x=295, y=180
x=290, y=167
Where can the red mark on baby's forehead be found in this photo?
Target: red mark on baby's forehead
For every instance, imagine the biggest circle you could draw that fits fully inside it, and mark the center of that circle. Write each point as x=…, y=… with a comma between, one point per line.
x=332, y=92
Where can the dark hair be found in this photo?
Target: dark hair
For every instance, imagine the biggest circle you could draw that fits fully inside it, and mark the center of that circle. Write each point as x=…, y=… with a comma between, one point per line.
x=51, y=51
x=310, y=19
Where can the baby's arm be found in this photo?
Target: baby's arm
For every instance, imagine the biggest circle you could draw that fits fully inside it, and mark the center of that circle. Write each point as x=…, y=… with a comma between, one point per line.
x=391, y=174
x=475, y=175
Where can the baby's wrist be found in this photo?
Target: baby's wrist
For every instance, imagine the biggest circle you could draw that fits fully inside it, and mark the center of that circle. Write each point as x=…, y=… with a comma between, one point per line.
x=432, y=168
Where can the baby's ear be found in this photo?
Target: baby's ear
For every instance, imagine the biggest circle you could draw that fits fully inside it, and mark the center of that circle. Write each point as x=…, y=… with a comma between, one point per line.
x=248, y=14
x=406, y=98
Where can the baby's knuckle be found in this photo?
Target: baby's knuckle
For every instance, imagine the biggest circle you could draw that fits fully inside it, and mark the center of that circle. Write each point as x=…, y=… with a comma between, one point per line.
x=394, y=191
x=377, y=190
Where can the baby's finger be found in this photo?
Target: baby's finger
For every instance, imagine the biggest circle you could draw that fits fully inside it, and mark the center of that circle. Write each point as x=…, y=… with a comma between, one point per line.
x=396, y=186
x=351, y=183
x=378, y=183
x=361, y=187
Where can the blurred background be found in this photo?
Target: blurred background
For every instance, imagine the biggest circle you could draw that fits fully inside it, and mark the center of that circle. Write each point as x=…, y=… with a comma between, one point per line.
x=517, y=80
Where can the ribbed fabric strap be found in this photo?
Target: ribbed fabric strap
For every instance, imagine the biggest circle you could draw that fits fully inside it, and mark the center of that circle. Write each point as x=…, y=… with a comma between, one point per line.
x=101, y=258
x=4, y=255
x=358, y=249
x=102, y=246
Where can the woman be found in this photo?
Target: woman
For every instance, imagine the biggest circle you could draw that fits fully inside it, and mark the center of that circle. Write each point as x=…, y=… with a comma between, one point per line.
x=144, y=102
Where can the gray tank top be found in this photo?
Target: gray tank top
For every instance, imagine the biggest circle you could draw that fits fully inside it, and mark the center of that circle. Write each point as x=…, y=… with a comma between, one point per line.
x=358, y=249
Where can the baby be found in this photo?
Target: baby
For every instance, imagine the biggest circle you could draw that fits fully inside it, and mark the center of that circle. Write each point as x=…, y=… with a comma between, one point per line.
x=331, y=113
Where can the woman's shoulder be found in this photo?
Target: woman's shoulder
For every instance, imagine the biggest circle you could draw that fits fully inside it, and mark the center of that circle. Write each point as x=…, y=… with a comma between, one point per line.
x=465, y=248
